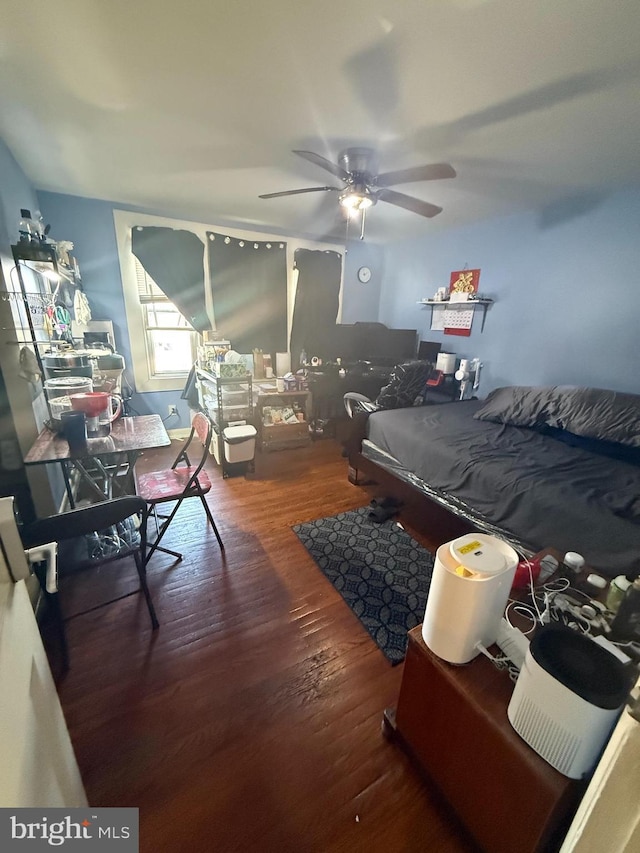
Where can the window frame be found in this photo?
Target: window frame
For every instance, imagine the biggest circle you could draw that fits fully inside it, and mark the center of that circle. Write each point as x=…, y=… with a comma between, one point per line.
x=150, y=294
x=141, y=358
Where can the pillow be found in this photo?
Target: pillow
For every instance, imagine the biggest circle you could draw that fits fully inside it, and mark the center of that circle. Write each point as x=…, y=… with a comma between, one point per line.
x=589, y=412
x=597, y=413
x=518, y=405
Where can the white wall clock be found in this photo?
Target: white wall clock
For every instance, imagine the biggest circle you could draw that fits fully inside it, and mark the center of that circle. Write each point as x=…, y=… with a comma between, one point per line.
x=364, y=274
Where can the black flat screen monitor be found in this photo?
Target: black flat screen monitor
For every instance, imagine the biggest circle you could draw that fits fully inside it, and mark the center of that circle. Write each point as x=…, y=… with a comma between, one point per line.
x=428, y=350
x=342, y=342
x=371, y=342
x=392, y=347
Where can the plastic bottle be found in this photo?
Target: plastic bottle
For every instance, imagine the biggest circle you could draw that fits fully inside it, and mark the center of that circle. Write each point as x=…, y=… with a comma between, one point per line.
x=25, y=226
x=617, y=590
x=303, y=357
x=574, y=562
x=38, y=227
x=626, y=624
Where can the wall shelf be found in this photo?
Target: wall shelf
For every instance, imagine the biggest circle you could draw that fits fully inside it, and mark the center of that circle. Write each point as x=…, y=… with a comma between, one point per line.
x=470, y=303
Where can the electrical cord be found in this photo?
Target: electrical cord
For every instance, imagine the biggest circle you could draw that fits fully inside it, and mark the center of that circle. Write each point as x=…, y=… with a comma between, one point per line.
x=502, y=662
x=544, y=608
x=530, y=611
x=559, y=602
x=521, y=609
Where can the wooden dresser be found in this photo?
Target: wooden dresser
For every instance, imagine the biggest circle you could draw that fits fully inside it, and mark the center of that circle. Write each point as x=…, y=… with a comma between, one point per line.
x=453, y=721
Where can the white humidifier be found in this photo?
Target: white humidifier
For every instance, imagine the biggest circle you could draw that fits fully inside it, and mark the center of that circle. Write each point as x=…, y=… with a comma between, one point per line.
x=470, y=585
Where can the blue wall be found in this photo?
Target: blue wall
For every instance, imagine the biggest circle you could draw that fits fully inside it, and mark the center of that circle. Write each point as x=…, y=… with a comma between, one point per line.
x=566, y=290
x=360, y=302
x=15, y=193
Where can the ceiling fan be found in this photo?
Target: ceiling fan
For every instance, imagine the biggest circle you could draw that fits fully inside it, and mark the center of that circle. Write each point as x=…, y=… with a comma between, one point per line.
x=364, y=187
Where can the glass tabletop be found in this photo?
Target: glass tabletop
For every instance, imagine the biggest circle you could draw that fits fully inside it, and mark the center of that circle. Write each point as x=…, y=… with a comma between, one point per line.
x=128, y=435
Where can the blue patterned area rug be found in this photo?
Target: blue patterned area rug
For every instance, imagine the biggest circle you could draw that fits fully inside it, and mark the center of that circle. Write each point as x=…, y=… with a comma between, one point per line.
x=380, y=571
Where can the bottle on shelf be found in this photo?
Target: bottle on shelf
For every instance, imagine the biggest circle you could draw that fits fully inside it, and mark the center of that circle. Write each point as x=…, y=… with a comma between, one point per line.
x=38, y=227
x=617, y=590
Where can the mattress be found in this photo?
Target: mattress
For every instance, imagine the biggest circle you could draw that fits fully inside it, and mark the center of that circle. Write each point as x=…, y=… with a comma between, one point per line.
x=536, y=491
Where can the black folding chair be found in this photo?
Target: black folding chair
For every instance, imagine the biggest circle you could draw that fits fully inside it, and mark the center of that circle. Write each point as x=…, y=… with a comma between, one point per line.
x=76, y=553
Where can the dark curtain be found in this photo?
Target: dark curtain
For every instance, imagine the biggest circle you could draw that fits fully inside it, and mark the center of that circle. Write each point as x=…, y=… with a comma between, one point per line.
x=175, y=261
x=317, y=301
x=249, y=289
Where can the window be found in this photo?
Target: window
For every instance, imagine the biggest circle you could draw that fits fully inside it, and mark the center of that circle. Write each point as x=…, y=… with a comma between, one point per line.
x=170, y=340
x=161, y=345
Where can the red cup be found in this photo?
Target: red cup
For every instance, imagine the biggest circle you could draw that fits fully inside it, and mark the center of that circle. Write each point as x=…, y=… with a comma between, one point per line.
x=527, y=572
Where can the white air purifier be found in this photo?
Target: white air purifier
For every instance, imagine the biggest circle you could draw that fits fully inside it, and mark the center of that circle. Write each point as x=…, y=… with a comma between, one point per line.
x=567, y=699
x=470, y=585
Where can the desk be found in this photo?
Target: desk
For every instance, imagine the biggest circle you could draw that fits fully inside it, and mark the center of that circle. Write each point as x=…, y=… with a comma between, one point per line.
x=328, y=388
x=453, y=721
x=110, y=456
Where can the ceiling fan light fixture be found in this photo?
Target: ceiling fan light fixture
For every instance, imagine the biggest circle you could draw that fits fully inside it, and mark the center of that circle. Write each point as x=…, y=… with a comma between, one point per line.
x=356, y=198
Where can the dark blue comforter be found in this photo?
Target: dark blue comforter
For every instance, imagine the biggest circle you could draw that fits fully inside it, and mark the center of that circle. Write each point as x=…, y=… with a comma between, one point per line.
x=541, y=491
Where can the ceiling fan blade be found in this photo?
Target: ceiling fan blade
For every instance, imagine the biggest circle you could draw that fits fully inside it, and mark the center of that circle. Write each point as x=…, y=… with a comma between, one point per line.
x=432, y=172
x=324, y=163
x=297, y=192
x=415, y=205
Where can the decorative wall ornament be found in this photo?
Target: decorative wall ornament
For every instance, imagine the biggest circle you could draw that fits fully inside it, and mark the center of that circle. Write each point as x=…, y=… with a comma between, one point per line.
x=462, y=284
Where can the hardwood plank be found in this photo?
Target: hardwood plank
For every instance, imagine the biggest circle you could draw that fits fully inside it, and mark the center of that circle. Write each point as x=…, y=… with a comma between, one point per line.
x=252, y=717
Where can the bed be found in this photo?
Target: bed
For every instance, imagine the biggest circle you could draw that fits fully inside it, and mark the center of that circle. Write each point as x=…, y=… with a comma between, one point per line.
x=544, y=467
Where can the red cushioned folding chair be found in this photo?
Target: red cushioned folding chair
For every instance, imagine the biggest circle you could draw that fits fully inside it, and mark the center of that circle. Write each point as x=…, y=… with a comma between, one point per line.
x=183, y=480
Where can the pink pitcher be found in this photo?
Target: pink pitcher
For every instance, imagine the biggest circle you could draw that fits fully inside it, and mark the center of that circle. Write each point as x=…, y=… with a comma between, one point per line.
x=99, y=409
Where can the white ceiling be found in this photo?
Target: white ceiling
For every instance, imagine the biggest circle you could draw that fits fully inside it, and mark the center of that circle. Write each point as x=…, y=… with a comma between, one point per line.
x=193, y=108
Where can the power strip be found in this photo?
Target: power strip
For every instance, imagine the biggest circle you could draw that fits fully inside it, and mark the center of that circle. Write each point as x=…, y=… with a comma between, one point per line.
x=513, y=643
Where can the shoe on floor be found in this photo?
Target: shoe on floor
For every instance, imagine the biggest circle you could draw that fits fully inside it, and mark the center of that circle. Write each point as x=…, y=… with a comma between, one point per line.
x=385, y=502
x=381, y=514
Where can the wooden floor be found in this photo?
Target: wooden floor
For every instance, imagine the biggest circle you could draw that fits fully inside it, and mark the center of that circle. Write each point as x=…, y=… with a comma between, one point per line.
x=251, y=720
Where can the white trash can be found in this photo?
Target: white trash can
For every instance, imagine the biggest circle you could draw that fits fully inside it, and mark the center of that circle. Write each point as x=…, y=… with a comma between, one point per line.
x=239, y=443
